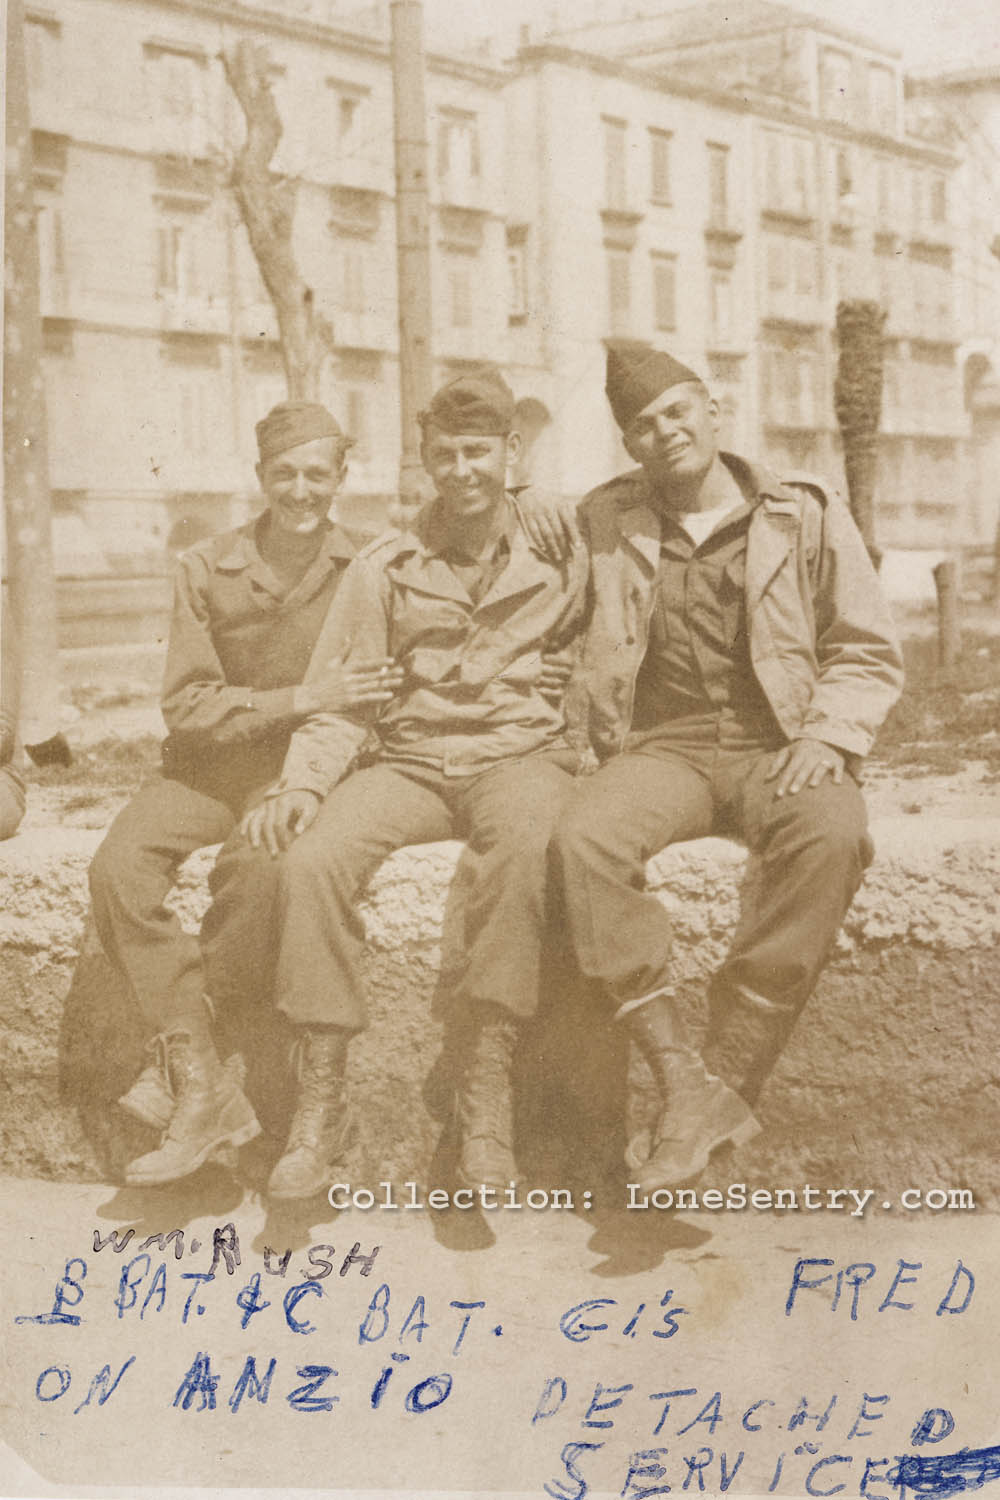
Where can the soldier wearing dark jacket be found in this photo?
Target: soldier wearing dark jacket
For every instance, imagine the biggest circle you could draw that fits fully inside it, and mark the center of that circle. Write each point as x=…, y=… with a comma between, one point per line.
x=248, y=607
x=738, y=661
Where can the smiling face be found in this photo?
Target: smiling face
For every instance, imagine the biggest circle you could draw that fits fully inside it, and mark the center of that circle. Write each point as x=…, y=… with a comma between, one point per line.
x=675, y=437
x=469, y=470
x=300, y=484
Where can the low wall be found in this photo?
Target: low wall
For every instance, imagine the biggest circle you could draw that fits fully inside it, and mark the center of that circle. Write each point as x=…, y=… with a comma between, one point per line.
x=889, y=1080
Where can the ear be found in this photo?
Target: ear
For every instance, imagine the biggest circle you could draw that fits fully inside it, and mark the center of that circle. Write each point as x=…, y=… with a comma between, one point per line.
x=714, y=412
x=514, y=448
x=259, y=471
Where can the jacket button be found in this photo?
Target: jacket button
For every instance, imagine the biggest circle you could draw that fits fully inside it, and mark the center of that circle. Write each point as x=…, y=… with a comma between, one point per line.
x=630, y=640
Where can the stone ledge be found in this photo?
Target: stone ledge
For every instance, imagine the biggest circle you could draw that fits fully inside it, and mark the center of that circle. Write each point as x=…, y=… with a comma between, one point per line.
x=894, y=1048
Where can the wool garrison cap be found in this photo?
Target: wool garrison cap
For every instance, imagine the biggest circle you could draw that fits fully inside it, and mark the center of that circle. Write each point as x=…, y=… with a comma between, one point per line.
x=293, y=422
x=636, y=374
x=480, y=402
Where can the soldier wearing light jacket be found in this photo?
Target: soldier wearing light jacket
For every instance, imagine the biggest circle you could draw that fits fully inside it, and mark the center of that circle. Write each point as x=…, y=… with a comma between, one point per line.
x=738, y=662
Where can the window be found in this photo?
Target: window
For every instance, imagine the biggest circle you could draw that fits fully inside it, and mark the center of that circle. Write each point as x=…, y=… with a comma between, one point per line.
x=179, y=89
x=882, y=98
x=843, y=177
x=51, y=257
x=665, y=292
x=41, y=42
x=788, y=174
x=720, y=310
x=357, y=423
x=938, y=198
x=916, y=198
x=615, y=188
x=777, y=266
x=460, y=292
x=517, y=283
x=459, y=165
x=718, y=185
x=347, y=114
x=659, y=166
x=352, y=291
x=179, y=256
x=619, y=292
x=835, y=84
x=198, y=412
x=884, y=196
x=790, y=387
x=806, y=271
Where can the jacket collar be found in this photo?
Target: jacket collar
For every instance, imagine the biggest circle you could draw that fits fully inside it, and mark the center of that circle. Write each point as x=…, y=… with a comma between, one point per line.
x=638, y=517
x=244, y=552
x=417, y=561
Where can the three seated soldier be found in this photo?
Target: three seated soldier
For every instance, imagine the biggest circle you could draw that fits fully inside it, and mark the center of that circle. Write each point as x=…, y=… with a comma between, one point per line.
x=737, y=659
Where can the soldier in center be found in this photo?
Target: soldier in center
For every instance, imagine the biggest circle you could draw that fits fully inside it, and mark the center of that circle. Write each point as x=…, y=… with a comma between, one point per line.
x=472, y=746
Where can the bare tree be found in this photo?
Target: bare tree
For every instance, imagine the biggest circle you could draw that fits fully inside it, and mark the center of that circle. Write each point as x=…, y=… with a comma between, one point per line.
x=266, y=201
x=28, y=503
x=858, y=404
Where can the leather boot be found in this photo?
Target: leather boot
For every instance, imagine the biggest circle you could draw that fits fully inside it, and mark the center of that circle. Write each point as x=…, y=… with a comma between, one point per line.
x=150, y=1099
x=210, y=1112
x=485, y=1102
x=698, y=1112
x=746, y=1034
x=320, y=1130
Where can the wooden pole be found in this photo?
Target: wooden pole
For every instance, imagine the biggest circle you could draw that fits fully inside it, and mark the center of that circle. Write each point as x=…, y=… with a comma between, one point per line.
x=949, y=622
x=27, y=500
x=412, y=239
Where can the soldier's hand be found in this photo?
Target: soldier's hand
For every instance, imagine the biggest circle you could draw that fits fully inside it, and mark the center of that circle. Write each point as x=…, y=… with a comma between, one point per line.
x=551, y=524
x=557, y=669
x=276, y=821
x=805, y=763
x=343, y=685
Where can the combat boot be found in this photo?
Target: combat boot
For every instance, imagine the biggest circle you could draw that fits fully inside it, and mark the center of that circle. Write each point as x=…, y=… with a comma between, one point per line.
x=150, y=1099
x=746, y=1034
x=698, y=1112
x=210, y=1114
x=485, y=1103
x=320, y=1131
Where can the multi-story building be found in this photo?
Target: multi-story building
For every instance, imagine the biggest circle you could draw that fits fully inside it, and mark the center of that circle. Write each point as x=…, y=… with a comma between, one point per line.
x=161, y=343
x=961, y=109
x=714, y=179
x=718, y=179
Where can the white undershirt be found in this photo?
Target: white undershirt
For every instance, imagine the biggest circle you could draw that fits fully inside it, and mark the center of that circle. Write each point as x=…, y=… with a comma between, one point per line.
x=701, y=523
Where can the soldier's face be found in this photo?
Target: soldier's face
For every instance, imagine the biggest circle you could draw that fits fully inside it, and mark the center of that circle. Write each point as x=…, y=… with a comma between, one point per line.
x=300, y=484
x=675, y=437
x=469, y=470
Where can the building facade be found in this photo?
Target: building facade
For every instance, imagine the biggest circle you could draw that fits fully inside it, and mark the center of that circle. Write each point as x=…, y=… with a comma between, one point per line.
x=720, y=178
x=161, y=343
x=715, y=180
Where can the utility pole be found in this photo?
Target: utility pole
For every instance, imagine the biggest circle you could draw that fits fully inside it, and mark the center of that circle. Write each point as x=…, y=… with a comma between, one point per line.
x=27, y=499
x=413, y=256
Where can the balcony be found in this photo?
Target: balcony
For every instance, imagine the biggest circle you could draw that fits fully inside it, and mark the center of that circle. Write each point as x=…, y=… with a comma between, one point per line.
x=722, y=239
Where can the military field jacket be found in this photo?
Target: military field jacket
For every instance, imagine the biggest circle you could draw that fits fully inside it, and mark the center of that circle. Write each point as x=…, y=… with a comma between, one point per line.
x=822, y=642
x=470, y=698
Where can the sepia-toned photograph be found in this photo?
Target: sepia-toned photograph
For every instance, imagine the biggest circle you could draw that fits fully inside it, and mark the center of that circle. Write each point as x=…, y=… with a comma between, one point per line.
x=500, y=749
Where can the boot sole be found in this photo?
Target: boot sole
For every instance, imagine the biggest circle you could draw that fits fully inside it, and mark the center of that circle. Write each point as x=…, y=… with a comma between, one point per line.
x=232, y=1138
x=739, y=1136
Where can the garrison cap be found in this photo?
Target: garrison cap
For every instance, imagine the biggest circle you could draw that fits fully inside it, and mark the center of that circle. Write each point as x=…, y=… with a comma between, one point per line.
x=480, y=402
x=636, y=374
x=293, y=422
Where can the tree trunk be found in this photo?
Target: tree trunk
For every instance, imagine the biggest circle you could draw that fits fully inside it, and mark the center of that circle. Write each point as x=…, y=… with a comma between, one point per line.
x=858, y=403
x=266, y=202
x=28, y=506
